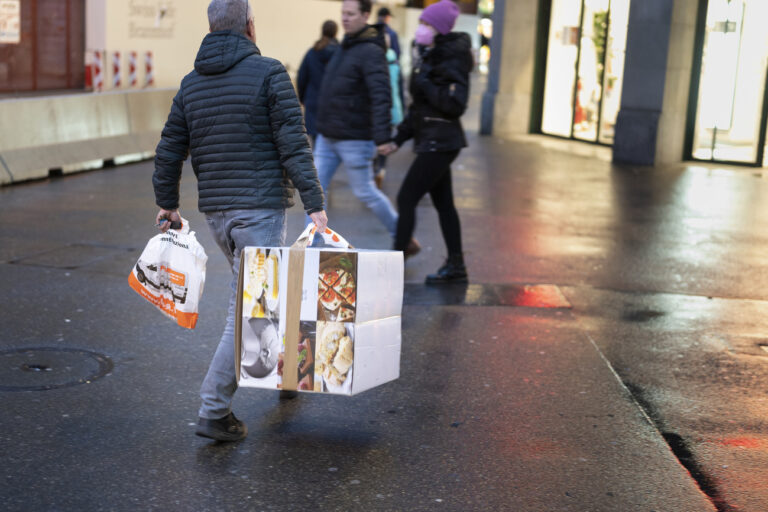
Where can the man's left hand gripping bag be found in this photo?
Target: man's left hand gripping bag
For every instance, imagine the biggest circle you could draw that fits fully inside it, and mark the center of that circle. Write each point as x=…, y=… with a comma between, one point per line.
x=170, y=274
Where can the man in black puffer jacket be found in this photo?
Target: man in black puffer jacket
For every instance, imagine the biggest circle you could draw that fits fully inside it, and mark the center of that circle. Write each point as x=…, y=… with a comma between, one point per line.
x=238, y=116
x=354, y=114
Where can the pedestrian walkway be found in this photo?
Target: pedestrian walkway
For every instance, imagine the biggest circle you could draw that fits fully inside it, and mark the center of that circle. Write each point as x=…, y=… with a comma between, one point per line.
x=504, y=400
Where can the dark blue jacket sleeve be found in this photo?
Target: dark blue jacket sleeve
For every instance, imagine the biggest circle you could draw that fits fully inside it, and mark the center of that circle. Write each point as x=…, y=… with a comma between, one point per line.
x=170, y=155
x=376, y=76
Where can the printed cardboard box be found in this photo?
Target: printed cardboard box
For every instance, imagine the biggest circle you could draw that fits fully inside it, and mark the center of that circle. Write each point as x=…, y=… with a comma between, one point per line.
x=318, y=320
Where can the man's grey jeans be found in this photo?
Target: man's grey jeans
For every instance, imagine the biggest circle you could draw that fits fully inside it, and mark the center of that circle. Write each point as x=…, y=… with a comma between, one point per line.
x=233, y=230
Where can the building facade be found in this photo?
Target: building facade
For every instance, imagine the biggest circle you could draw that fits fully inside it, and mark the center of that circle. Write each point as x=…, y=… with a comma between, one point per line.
x=659, y=81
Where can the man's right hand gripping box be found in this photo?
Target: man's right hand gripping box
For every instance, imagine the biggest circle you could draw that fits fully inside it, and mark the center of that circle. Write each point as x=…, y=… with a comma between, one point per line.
x=318, y=320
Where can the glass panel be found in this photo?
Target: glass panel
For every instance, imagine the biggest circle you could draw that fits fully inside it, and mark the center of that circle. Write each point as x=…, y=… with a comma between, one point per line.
x=614, y=68
x=732, y=81
x=589, y=86
x=562, y=50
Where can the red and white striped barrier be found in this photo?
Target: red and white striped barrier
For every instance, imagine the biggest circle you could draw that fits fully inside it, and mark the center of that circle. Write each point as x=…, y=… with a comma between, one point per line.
x=149, y=77
x=96, y=72
x=132, y=75
x=116, y=82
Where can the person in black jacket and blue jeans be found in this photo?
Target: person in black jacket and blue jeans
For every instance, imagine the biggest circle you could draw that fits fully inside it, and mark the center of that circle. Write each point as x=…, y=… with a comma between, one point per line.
x=238, y=116
x=439, y=89
x=353, y=120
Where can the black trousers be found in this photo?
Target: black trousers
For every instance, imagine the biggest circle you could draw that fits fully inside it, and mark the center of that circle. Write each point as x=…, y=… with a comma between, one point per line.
x=429, y=173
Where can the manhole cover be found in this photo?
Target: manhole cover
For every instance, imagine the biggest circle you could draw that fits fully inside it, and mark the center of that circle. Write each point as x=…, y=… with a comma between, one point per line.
x=42, y=368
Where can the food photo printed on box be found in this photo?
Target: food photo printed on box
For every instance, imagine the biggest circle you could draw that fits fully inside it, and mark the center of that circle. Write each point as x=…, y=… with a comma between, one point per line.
x=329, y=311
x=326, y=346
x=261, y=334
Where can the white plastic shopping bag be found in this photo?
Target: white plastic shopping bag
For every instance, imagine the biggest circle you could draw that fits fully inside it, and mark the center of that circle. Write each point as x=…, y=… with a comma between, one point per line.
x=170, y=274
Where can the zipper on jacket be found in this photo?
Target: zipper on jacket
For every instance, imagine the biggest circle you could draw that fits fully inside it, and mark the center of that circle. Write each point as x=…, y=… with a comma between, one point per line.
x=440, y=119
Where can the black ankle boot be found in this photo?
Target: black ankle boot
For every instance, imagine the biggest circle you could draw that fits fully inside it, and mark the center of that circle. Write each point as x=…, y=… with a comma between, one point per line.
x=452, y=271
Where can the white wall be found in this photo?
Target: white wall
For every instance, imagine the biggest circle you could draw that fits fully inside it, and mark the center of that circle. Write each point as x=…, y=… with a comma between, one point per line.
x=285, y=30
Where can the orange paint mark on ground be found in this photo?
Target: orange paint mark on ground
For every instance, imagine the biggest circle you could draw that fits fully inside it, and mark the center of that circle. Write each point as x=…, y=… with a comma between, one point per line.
x=541, y=296
x=742, y=442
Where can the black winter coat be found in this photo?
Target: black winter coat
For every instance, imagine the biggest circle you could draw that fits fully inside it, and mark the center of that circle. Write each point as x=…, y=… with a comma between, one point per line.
x=439, y=89
x=308, y=82
x=238, y=115
x=356, y=98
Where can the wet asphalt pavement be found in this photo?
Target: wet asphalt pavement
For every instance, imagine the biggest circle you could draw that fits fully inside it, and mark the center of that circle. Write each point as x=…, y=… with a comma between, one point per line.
x=607, y=355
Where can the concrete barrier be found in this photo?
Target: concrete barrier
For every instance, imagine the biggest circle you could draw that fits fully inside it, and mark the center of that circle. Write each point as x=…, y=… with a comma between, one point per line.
x=79, y=131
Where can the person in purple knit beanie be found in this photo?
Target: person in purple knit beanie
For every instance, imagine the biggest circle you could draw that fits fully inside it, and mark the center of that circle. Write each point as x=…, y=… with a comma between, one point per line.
x=441, y=15
x=439, y=85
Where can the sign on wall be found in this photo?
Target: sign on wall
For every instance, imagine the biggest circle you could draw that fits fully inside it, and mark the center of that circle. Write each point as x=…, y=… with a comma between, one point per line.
x=10, y=21
x=151, y=19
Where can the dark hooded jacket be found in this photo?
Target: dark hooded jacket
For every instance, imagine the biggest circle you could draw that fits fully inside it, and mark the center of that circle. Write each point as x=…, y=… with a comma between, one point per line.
x=309, y=80
x=355, y=98
x=238, y=116
x=439, y=89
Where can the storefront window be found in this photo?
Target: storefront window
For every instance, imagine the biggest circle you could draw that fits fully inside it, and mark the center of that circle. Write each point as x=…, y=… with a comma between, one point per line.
x=732, y=82
x=585, y=65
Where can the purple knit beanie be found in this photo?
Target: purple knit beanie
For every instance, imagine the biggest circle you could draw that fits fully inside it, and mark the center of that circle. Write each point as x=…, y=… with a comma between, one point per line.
x=441, y=15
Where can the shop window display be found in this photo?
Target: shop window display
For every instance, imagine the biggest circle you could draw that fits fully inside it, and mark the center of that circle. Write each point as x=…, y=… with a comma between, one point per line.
x=585, y=65
x=731, y=86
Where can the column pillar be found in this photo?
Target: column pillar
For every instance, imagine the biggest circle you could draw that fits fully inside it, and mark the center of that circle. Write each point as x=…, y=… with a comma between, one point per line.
x=494, y=69
x=507, y=101
x=670, y=146
x=645, y=71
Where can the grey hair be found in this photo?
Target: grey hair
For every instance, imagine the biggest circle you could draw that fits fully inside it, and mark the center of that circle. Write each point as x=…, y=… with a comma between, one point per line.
x=229, y=15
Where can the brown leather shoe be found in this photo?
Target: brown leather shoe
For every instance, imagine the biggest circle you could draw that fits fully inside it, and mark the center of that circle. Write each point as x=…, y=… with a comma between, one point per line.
x=414, y=248
x=378, y=179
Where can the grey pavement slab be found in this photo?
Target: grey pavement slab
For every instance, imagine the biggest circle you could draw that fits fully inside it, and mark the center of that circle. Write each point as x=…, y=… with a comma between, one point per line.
x=497, y=407
x=699, y=369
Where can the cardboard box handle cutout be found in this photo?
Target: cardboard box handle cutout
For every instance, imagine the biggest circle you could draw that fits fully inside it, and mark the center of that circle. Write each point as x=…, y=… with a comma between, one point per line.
x=292, y=300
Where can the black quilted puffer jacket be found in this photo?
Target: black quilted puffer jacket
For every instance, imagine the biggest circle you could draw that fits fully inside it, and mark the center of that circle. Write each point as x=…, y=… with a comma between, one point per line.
x=238, y=116
x=356, y=97
x=440, y=90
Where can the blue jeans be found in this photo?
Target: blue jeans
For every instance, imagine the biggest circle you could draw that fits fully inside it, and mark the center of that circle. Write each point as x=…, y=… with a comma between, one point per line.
x=233, y=230
x=357, y=157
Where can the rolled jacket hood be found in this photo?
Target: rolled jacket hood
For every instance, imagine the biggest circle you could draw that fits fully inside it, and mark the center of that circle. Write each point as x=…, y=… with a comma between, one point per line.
x=221, y=50
x=369, y=34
